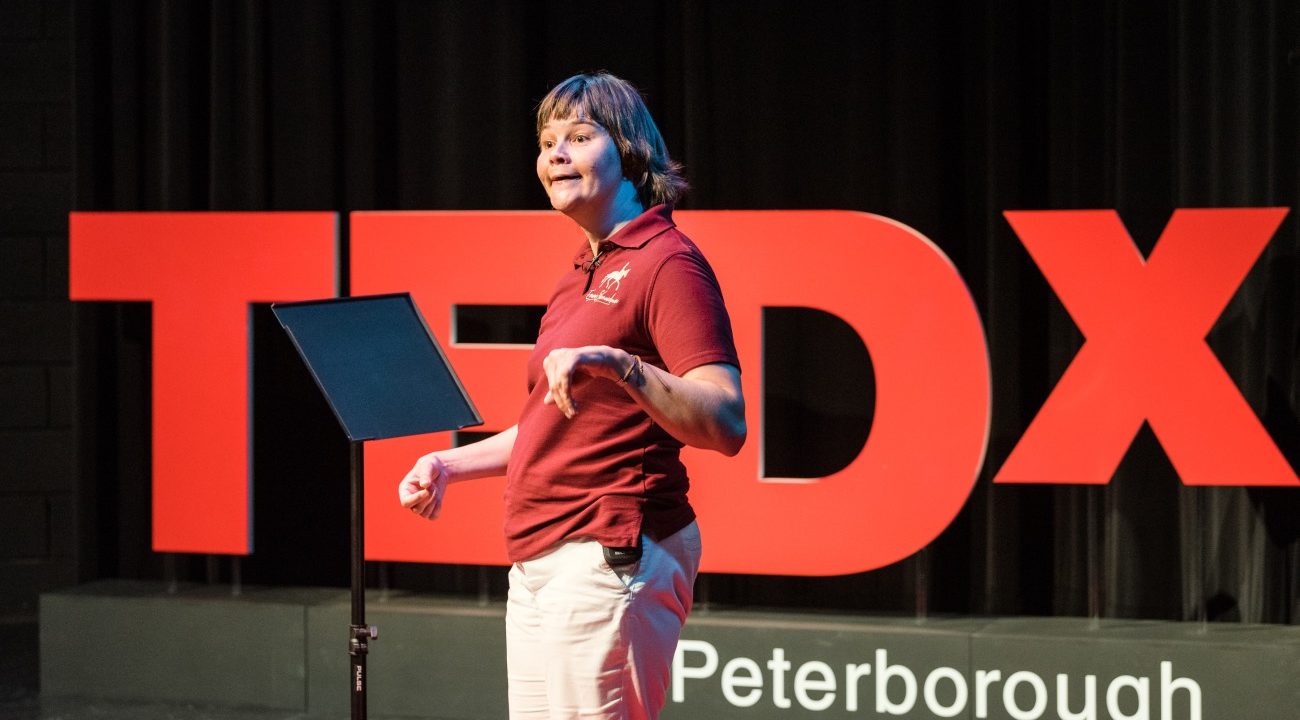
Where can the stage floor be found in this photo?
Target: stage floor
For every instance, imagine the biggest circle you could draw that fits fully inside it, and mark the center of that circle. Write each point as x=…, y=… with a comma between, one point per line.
x=32, y=708
x=20, y=691
x=142, y=651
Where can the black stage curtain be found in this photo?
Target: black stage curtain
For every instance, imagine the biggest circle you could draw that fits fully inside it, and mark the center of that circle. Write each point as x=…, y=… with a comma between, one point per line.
x=940, y=115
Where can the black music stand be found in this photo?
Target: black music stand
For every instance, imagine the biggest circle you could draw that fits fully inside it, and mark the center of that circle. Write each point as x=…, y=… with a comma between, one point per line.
x=384, y=375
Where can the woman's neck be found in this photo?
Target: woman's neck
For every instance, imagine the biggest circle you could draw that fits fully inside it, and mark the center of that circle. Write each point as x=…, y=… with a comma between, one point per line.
x=625, y=208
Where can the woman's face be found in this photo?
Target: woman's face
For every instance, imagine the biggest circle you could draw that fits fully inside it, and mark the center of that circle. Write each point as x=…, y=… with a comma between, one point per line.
x=579, y=166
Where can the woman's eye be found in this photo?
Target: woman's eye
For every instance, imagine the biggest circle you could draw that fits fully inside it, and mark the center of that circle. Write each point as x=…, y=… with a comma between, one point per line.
x=581, y=138
x=548, y=144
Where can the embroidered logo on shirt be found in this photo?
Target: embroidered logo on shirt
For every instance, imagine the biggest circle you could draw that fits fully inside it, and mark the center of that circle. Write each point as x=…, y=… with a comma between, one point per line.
x=609, y=286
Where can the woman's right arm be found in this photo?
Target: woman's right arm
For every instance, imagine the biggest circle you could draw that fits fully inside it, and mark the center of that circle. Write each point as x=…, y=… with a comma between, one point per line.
x=424, y=486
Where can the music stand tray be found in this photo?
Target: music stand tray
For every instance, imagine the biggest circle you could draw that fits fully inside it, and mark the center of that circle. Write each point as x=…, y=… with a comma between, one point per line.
x=384, y=375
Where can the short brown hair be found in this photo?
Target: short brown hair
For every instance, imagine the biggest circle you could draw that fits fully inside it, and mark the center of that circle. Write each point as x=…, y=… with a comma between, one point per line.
x=615, y=105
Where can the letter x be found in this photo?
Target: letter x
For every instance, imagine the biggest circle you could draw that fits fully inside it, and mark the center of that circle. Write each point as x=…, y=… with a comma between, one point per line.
x=1145, y=357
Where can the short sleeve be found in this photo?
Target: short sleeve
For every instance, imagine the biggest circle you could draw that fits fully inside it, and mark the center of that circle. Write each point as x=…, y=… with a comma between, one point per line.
x=686, y=317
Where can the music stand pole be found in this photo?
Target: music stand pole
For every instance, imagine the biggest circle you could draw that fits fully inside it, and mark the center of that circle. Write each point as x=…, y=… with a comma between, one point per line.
x=384, y=376
x=360, y=634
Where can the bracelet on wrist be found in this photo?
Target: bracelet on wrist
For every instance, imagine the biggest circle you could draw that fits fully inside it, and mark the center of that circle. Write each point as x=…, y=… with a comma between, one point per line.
x=632, y=375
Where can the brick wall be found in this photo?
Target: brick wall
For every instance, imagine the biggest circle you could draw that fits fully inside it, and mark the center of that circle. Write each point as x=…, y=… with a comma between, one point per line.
x=36, y=468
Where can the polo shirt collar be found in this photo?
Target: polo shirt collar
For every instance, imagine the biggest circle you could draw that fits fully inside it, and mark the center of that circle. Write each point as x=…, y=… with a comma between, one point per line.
x=641, y=230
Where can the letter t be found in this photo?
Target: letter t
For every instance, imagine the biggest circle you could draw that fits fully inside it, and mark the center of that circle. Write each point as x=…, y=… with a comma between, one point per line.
x=200, y=271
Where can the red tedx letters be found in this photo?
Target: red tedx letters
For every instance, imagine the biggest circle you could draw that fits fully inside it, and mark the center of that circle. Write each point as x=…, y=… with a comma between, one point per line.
x=1144, y=355
x=1144, y=358
x=894, y=287
x=200, y=271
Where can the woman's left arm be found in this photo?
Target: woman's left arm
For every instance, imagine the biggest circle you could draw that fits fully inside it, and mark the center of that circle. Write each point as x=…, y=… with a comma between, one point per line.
x=703, y=407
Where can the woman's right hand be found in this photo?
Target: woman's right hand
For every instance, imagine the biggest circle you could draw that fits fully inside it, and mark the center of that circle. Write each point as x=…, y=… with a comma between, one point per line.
x=422, y=489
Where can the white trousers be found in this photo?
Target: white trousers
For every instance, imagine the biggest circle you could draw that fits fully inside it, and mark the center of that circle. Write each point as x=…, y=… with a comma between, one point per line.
x=584, y=640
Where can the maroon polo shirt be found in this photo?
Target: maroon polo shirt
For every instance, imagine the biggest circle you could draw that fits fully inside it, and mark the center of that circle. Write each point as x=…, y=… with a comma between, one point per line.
x=611, y=473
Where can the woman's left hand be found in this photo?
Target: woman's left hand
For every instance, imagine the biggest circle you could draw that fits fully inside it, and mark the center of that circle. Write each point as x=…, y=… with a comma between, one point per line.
x=703, y=408
x=562, y=364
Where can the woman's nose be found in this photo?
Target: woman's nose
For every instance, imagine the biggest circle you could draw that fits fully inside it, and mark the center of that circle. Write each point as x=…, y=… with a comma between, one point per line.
x=559, y=154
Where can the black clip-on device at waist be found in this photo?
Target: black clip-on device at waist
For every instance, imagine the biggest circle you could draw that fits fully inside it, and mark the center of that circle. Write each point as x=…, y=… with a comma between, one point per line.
x=621, y=556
